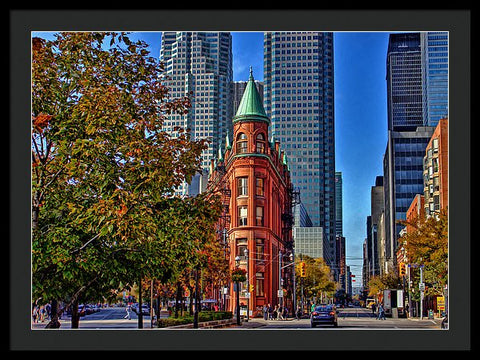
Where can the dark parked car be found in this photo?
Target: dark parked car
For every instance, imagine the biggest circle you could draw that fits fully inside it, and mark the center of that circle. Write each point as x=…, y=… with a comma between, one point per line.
x=324, y=314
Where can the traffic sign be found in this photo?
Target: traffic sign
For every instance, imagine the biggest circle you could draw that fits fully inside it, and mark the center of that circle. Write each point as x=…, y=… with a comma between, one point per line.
x=280, y=293
x=421, y=286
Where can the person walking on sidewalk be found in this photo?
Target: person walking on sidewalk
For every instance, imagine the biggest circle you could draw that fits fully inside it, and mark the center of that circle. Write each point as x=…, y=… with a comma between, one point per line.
x=128, y=312
x=381, y=312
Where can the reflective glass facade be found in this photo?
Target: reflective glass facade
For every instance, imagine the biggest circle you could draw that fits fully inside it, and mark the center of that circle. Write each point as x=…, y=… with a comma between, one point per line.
x=200, y=64
x=299, y=99
x=435, y=76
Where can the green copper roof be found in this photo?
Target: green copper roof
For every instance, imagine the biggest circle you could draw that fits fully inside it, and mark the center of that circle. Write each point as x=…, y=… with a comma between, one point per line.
x=251, y=105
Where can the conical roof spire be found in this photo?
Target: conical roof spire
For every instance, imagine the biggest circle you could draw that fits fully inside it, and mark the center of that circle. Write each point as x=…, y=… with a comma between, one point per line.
x=251, y=105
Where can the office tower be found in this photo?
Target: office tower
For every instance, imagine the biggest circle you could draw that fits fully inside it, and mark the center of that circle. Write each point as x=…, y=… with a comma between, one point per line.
x=435, y=76
x=377, y=208
x=338, y=204
x=404, y=82
x=409, y=91
x=199, y=65
x=239, y=88
x=299, y=99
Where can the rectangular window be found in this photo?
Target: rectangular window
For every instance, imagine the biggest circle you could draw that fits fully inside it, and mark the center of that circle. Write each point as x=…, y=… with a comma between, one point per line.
x=259, y=250
x=259, y=216
x=241, y=247
x=259, y=286
x=242, y=184
x=260, y=191
x=242, y=215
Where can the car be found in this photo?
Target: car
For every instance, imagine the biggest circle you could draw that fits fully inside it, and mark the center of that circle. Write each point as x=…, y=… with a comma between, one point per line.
x=145, y=309
x=324, y=314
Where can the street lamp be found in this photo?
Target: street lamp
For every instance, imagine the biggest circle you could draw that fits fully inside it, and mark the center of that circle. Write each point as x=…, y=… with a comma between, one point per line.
x=248, y=286
x=237, y=289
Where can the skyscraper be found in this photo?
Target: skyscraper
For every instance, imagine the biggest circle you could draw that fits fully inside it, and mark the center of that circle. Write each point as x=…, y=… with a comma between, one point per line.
x=417, y=94
x=298, y=98
x=435, y=76
x=199, y=65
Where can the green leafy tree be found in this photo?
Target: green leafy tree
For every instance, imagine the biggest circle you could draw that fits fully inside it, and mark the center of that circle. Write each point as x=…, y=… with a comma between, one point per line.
x=104, y=170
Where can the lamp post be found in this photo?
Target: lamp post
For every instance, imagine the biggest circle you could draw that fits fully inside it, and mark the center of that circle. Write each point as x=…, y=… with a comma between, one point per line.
x=248, y=286
x=237, y=310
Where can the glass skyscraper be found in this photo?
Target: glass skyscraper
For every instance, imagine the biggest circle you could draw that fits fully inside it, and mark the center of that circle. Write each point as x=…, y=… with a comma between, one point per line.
x=200, y=64
x=435, y=76
x=417, y=97
x=299, y=99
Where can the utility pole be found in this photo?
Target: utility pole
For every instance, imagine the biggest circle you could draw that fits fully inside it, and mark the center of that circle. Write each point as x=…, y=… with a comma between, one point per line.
x=421, y=292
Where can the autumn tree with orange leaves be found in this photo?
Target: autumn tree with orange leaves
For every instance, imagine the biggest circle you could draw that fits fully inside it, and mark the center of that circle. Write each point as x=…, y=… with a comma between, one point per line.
x=104, y=171
x=426, y=243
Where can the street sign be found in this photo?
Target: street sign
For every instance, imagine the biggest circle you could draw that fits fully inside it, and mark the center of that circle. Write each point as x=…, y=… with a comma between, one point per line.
x=421, y=286
x=247, y=295
x=441, y=303
x=280, y=293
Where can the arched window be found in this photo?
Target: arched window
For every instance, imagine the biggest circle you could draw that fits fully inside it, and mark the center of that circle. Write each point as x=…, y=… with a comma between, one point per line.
x=260, y=144
x=242, y=142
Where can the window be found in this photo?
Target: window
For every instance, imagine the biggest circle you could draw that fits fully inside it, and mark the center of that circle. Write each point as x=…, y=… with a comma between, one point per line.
x=259, y=250
x=260, y=278
x=241, y=247
x=242, y=215
x=242, y=186
x=260, y=190
x=260, y=144
x=242, y=143
x=259, y=216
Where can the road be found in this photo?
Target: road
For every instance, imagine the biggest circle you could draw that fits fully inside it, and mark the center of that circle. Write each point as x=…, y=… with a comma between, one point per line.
x=348, y=318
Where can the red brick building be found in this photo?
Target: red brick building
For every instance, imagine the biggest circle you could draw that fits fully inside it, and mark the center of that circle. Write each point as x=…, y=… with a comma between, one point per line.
x=254, y=179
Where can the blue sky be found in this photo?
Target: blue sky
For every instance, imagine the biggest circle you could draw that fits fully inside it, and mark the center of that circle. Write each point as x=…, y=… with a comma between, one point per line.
x=360, y=117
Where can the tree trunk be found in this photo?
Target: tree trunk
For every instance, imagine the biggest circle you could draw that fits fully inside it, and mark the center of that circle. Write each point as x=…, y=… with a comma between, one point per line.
x=54, y=323
x=178, y=298
x=75, y=315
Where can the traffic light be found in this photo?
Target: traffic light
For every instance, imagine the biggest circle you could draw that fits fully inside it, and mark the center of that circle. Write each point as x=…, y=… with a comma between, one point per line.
x=402, y=269
x=302, y=269
x=250, y=288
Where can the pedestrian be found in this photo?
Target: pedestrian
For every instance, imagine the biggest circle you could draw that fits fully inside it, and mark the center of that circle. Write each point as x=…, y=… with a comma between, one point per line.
x=280, y=313
x=381, y=312
x=35, y=314
x=275, y=312
x=265, y=312
x=127, y=309
x=298, y=313
x=374, y=307
x=285, y=313
x=270, y=312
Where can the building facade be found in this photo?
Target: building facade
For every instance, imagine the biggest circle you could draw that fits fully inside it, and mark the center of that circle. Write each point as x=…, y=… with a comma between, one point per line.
x=199, y=65
x=259, y=235
x=434, y=47
x=436, y=170
x=417, y=96
x=299, y=99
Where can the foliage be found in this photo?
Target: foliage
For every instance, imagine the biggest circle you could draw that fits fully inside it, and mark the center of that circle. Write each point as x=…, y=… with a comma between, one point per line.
x=202, y=317
x=239, y=274
x=427, y=244
x=318, y=278
x=104, y=170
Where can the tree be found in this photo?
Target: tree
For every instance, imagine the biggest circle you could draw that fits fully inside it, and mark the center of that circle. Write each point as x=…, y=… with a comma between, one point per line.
x=318, y=282
x=104, y=171
x=427, y=244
